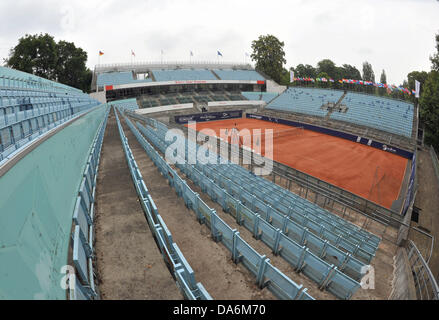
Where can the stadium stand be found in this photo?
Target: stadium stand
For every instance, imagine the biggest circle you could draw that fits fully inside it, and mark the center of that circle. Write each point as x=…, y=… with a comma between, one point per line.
x=379, y=113
x=274, y=229
x=183, y=74
x=389, y=115
x=117, y=78
x=305, y=100
x=224, y=74
x=264, y=96
x=128, y=104
x=266, y=274
x=169, y=249
x=30, y=106
x=205, y=96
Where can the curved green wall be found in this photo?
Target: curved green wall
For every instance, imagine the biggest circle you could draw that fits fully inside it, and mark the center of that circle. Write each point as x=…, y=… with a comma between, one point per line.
x=37, y=198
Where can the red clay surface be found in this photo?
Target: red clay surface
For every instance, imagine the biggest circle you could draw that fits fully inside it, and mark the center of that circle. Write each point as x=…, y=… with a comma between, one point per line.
x=365, y=171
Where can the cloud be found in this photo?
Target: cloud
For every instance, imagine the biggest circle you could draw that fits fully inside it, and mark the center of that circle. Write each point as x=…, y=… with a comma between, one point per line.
x=394, y=35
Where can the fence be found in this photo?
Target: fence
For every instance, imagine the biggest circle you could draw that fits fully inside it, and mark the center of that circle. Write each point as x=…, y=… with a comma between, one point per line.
x=172, y=255
x=425, y=283
x=266, y=275
x=435, y=161
x=83, y=216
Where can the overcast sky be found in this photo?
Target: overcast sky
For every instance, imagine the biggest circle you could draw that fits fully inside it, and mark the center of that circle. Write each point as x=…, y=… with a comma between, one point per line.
x=395, y=35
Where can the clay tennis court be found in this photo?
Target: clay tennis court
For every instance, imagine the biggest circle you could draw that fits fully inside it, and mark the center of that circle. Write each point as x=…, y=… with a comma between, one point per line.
x=365, y=171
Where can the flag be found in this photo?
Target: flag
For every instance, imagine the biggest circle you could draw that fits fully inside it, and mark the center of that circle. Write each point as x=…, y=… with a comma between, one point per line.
x=101, y=53
x=219, y=53
x=417, y=88
x=132, y=53
x=291, y=76
x=247, y=55
x=192, y=54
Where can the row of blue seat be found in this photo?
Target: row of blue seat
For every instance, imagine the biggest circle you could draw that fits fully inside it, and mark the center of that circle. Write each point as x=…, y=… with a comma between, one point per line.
x=83, y=219
x=10, y=78
x=264, y=96
x=30, y=106
x=265, y=273
x=385, y=114
x=287, y=203
x=120, y=78
x=305, y=251
x=230, y=74
x=171, y=253
x=128, y=104
x=305, y=100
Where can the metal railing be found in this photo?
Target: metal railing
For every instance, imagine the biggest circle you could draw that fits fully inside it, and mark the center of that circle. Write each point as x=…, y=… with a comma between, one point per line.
x=154, y=65
x=425, y=283
x=435, y=161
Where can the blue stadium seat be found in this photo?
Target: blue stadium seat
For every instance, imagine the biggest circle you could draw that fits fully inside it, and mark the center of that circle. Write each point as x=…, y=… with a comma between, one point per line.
x=385, y=114
x=117, y=78
x=264, y=96
x=305, y=100
x=183, y=74
x=229, y=74
x=30, y=106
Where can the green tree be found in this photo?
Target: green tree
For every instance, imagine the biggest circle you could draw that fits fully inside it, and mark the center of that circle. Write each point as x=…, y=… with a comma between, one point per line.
x=328, y=66
x=305, y=71
x=269, y=55
x=36, y=54
x=71, y=67
x=368, y=74
x=429, y=109
x=383, y=78
x=435, y=58
x=42, y=56
x=350, y=72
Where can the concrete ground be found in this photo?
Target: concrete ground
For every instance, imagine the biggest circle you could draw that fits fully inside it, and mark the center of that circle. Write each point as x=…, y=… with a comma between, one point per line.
x=210, y=261
x=129, y=263
x=427, y=200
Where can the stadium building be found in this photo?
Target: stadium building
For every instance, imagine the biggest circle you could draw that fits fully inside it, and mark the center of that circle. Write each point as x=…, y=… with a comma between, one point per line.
x=92, y=208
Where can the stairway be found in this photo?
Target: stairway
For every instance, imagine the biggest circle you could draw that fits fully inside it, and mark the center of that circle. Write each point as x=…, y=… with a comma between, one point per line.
x=331, y=110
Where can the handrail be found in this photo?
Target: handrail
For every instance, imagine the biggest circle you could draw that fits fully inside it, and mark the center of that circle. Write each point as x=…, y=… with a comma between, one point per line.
x=425, y=282
x=172, y=64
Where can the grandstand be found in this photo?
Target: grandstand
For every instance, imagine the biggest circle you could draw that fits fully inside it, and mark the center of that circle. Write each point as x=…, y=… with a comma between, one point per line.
x=103, y=200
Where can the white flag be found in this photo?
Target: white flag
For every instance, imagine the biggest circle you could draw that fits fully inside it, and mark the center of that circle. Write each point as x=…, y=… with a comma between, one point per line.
x=417, y=88
x=291, y=76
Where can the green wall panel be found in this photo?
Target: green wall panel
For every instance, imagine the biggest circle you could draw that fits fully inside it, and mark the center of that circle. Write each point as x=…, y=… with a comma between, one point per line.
x=37, y=198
